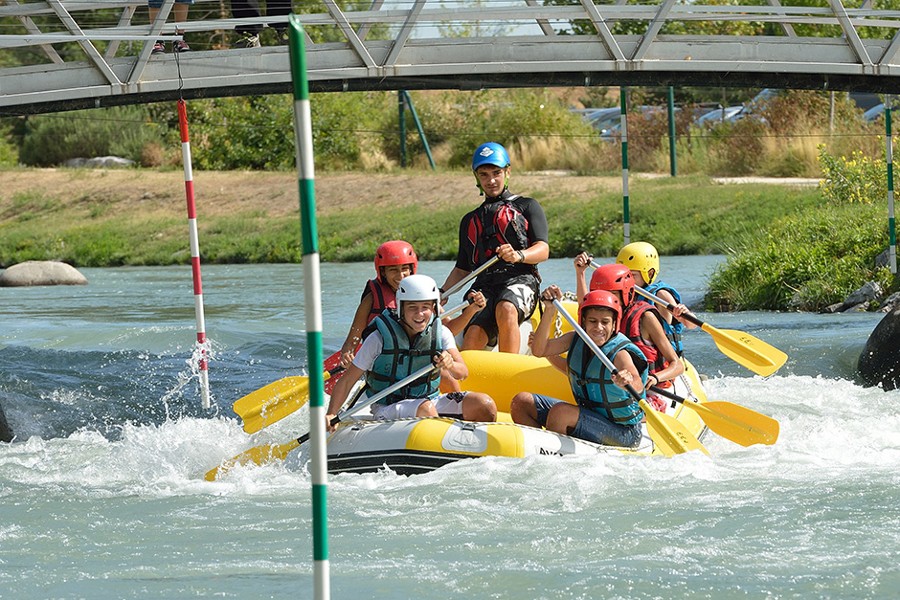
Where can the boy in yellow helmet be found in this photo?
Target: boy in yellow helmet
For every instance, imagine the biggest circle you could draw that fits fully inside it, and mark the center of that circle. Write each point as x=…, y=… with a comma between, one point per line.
x=643, y=260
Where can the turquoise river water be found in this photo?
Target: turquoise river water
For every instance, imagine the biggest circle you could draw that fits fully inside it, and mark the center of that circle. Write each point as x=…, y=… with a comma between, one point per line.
x=102, y=496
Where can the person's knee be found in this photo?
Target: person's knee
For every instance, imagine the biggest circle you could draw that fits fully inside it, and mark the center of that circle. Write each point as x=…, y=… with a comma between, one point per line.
x=479, y=407
x=522, y=404
x=426, y=409
x=506, y=311
x=561, y=418
x=475, y=338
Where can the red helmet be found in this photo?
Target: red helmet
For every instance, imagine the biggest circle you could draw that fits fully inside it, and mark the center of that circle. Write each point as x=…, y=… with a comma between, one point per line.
x=614, y=277
x=600, y=299
x=395, y=252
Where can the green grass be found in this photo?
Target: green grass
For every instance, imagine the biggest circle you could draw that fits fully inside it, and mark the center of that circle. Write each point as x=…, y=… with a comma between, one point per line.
x=688, y=215
x=787, y=247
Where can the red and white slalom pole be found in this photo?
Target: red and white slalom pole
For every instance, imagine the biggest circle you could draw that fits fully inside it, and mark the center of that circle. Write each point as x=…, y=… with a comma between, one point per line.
x=195, y=251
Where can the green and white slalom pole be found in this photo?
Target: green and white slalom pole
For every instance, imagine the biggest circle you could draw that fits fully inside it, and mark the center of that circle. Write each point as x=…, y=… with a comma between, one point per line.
x=313, y=301
x=626, y=212
x=889, y=155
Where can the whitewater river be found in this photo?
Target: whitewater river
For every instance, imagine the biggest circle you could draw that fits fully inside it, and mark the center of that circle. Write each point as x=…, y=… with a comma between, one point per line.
x=102, y=494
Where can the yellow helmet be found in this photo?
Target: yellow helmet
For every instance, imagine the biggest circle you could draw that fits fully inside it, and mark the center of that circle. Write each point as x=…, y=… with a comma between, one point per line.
x=642, y=257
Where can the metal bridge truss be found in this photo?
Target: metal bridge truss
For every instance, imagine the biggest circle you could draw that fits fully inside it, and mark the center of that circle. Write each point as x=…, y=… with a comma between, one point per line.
x=441, y=44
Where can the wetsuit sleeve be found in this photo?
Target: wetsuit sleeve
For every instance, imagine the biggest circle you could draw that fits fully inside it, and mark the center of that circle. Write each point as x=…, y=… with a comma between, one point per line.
x=538, y=230
x=466, y=247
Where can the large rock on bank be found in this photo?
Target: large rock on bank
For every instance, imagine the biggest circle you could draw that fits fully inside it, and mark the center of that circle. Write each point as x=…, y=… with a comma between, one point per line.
x=41, y=272
x=879, y=362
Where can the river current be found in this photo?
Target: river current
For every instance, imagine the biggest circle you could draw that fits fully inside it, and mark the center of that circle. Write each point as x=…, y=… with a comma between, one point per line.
x=102, y=495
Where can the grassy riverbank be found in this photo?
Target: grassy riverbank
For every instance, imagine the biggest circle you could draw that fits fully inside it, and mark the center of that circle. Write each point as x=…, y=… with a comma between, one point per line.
x=138, y=217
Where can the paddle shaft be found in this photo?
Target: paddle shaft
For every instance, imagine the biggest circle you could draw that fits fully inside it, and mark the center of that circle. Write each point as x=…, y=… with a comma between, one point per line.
x=268, y=452
x=592, y=345
x=671, y=439
x=741, y=347
x=379, y=396
x=462, y=282
x=671, y=307
x=456, y=309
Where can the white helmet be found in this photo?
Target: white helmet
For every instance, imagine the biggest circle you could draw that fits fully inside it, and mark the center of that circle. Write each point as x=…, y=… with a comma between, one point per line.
x=417, y=287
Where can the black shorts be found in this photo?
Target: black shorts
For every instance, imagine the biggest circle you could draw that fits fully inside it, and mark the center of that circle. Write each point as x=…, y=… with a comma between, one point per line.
x=521, y=291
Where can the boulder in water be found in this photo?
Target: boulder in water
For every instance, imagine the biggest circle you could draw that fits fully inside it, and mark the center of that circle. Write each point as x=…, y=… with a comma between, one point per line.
x=879, y=363
x=41, y=272
x=6, y=434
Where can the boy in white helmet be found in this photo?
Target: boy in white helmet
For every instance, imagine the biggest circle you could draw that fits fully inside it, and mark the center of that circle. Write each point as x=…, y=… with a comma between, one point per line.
x=403, y=342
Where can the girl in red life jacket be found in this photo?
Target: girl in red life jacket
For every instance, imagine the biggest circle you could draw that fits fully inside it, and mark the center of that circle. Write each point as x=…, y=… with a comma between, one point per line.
x=643, y=325
x=394, y=260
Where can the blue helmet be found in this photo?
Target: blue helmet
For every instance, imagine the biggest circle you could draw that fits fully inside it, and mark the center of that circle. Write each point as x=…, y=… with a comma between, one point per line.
x=490, y=153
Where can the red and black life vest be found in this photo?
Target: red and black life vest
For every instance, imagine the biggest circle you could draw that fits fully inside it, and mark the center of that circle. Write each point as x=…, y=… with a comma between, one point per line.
x=631, y=327
x=383, y=296
x=497, y=221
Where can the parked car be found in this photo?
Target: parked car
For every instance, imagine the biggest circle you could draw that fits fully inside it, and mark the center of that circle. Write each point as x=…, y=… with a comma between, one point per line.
x=874, y=113
x=718, y=115
x=605, y=118
x=863, y=100
x=612, y=132
x=598, y=118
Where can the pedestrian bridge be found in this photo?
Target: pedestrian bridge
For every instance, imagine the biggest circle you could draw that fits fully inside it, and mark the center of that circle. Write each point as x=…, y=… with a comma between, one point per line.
x=83, y=54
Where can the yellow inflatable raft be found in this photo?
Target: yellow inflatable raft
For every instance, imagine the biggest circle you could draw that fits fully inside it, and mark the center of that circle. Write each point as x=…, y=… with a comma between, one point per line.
x=409, y=446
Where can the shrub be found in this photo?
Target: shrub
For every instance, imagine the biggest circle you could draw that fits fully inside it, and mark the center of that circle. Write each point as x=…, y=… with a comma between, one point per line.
x=121, y=131
x=252, y=132
x=9, y=151
x=804, y=262
x=257, y=132
x=858, y=179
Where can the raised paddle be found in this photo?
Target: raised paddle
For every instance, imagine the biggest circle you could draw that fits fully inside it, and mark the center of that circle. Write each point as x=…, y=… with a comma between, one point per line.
x=281, y=398
x=260, y=455
x=271, y=403
x=732, y=421
x=462, y=282
x=669, y=435
x=741, y=347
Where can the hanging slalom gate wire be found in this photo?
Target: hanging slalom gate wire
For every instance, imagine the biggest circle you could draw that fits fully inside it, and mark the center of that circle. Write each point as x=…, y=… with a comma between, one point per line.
x=202, y=344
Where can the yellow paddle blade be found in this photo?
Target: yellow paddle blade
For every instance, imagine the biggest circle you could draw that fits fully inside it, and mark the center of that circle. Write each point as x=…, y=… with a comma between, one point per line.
x=755, y=354
x=259, y=455
x=272, y=403
x=669, y=435
x=737, y=423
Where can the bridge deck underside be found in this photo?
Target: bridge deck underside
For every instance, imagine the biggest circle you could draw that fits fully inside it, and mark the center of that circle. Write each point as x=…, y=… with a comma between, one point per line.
x=848, y=62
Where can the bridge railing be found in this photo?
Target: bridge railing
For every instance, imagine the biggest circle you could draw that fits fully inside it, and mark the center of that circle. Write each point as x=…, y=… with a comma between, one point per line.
x=101, y=51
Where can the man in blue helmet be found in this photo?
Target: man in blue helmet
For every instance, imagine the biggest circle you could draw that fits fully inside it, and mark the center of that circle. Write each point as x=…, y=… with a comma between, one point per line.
x=514, y=228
